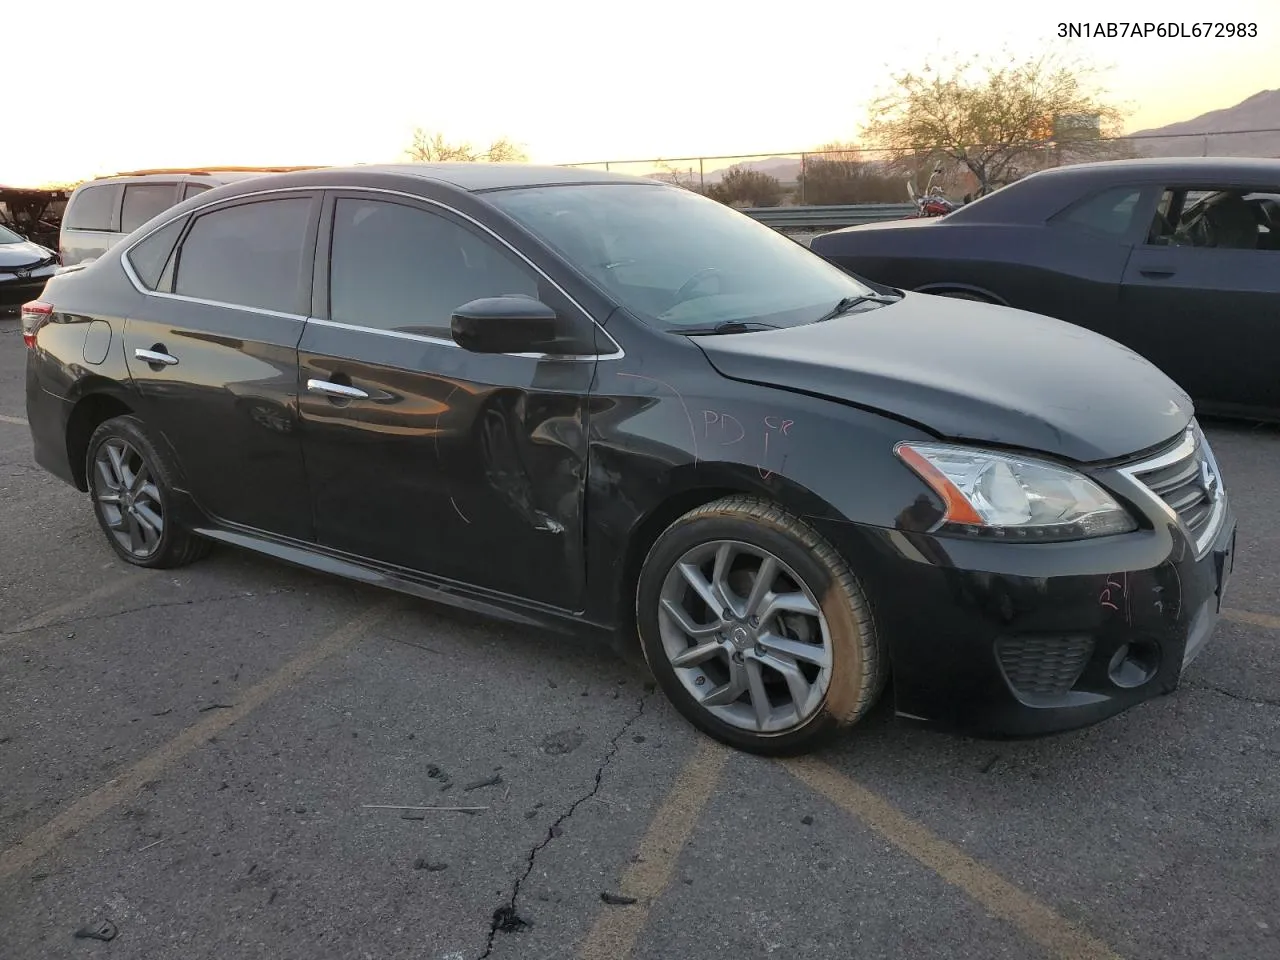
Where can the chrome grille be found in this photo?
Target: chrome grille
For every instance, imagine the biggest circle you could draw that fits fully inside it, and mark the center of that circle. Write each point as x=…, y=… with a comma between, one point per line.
x=1186, y=480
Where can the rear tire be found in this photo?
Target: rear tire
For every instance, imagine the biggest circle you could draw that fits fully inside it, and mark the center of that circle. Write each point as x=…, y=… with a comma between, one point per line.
x=131, y=483
x=790, y=657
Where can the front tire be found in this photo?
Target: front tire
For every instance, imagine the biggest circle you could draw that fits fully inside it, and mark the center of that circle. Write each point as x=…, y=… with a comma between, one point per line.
x=132, y=486
x=756, y=629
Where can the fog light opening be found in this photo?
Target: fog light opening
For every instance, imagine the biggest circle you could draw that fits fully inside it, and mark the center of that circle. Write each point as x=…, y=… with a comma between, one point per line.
x=1134, y=664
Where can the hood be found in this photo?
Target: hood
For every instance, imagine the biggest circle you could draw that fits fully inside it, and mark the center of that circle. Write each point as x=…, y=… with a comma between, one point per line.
x=971, y=371
x=25, y=254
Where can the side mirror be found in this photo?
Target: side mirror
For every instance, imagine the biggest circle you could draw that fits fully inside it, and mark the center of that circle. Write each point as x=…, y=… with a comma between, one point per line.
x=511, y=324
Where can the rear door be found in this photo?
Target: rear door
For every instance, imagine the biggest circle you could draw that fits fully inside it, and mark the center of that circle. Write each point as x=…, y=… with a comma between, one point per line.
x=212, y=352
x=1209, y=316
x=463, y=466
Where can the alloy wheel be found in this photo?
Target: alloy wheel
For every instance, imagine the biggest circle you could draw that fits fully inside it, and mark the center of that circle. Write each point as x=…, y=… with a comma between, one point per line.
x=745, y=636
x=128, y=498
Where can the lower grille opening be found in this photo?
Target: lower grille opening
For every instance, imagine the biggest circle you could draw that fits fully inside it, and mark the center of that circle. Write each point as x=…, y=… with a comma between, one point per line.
x=1044, y=665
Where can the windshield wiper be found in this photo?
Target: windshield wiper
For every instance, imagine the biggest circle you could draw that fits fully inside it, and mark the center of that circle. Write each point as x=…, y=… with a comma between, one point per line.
x=848, y=303
x=727, y=326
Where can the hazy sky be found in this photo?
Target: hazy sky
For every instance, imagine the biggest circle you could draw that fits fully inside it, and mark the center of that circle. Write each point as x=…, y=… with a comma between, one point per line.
x=150, y=83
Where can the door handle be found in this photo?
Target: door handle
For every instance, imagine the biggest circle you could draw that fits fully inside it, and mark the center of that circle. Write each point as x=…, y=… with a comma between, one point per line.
x=155, y=356
x=341, y=390
x=1157, y=272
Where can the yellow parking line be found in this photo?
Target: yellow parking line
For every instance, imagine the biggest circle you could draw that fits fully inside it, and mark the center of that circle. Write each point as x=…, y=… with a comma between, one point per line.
x=18, y=421
x=75, y=604
x=616, y=928
x=1248, y=616
x=1057, y=935
x=43, y=839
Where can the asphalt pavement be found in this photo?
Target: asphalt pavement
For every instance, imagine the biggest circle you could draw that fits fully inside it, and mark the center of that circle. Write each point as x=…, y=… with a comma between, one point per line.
x=221, y=761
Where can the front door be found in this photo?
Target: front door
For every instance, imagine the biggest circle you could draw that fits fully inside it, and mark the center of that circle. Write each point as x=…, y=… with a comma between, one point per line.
x=1202, y=296
x=212, y=353
x=461, y=466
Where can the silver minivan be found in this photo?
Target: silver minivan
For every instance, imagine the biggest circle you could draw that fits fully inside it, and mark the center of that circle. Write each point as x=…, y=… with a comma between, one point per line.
x=103, y=211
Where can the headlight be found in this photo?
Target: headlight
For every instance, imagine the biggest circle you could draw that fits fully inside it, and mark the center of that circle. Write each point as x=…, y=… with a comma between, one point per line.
x=998, y=496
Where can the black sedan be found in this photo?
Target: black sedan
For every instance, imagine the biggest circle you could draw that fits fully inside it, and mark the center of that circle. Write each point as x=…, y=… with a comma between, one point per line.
x=25, y=268
x=1178, y=259
x=611, y=405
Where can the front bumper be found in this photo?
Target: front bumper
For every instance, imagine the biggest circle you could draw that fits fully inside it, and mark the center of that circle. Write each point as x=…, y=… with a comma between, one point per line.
x=1019, y=639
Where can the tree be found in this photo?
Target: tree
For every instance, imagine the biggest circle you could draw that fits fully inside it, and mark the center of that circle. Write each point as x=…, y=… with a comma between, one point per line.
x=433, y=148
x=842, y=173
x=669, y=173
x=744, y=187
x=999, y=121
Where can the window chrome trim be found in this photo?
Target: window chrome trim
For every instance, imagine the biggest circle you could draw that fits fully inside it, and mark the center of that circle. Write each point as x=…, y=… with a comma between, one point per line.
x=617, y=354
x=1184, y=449
x=443, y=342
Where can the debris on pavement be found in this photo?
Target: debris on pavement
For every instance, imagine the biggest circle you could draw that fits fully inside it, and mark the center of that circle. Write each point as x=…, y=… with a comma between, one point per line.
x=617, y=899
x=807, y=819
x=401, y=806
x=422, y=863
x=562, y=742
x=492, y=781
x=507, y=920
x=106, y=930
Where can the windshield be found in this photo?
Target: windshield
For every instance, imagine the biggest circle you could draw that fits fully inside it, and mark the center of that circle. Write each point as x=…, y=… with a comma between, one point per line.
x=677, y=259
x=8, y=236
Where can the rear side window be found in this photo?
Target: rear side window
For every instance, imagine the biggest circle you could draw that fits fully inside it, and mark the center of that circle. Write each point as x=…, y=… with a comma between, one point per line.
x=191, y=189
x=94, y=208
x=249, y=255
x=149, y=257
x=142, y=201
x=1110, y=212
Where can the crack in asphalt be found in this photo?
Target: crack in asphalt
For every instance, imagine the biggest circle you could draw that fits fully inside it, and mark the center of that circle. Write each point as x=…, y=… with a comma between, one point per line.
x=158, y=605
x=1243, y=698
x=508, y=909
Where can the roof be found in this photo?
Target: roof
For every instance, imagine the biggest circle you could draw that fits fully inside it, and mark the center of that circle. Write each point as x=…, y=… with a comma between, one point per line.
x=202, y=171
x=481, y=176
x=1173, y=166
x=1042, y=194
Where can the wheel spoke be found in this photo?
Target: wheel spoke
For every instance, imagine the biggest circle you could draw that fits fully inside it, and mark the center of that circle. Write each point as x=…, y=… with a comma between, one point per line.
x=116, y=456
x=814, y=653
x=677, y=613
x=693, y=576
x=727, y=693
x=720, y=576
x=759, y=697
x=150, y=492
x=137, y=543
x=107, y=475
x=797, y=685
x=696, y=655
x=141, y=479
x=109, y=499
x=118, y=522
x=765, y=575
x=790, y=603
x=149, y=519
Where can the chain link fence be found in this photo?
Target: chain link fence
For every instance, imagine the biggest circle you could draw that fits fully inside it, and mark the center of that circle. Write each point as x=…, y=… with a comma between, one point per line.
x=870, y=175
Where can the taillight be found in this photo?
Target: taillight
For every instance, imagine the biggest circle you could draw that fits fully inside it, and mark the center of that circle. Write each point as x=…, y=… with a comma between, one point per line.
x=34, y=316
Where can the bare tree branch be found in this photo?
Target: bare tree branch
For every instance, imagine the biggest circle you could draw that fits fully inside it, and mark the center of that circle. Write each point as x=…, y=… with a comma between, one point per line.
x=433, y=148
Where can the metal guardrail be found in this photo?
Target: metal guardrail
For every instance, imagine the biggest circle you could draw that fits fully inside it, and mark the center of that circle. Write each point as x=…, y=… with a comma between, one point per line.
x=831, y=217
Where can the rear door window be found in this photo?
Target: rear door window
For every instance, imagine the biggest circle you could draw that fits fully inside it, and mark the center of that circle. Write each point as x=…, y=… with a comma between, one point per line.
x=142, y=201
x=191, y=189
x=94, y=208
x=250, y=255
